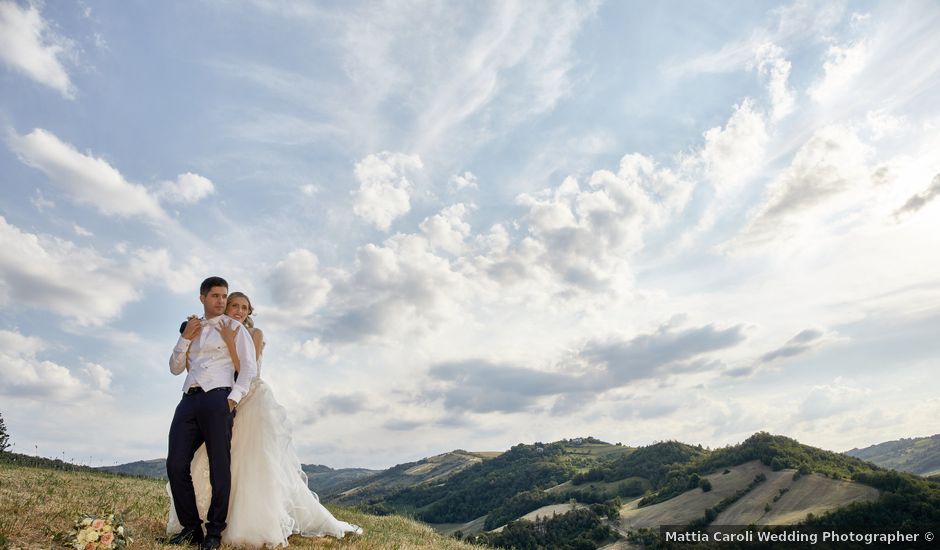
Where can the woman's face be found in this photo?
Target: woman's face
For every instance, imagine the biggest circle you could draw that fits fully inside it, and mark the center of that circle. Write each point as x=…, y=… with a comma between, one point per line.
x=237, y=309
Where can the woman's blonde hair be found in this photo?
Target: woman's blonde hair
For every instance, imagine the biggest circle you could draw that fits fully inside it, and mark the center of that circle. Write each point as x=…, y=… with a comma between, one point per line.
x=248, y=322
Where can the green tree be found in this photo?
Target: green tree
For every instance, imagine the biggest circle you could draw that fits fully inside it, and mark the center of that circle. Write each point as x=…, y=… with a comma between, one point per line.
x=4, y=438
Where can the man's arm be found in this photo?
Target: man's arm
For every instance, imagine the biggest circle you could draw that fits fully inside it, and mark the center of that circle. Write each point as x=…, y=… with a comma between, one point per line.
x=249, y=366
x=178, y=357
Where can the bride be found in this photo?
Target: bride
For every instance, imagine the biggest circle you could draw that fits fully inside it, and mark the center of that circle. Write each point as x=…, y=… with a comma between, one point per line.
x=270, y=499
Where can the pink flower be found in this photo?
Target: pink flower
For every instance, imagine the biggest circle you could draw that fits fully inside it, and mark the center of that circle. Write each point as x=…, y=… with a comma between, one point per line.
x=107, y=538
x=97, y=524
x=90, y=546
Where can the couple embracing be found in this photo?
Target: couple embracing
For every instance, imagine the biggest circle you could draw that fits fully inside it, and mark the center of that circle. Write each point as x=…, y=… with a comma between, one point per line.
x=231, y=462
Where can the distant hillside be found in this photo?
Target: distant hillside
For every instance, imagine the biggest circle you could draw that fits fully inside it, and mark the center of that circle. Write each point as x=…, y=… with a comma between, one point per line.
x=155, y=468
x=592, y=491
x=383, y=484
x=919, y=455
x=321, y=479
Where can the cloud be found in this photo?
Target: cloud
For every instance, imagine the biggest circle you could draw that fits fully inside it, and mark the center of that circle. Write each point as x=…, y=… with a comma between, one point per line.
x=56, y=275
x=188, y=188
x=384, y=191
x=467, y=180
x=807, y=340
x=447, y=230
x=883, y=124
x=401, y=425
x=342, y=404
x=87, y=180
x=483, y=386
x=734, y=153
x=921, y=199
x=78, y=282
x=823, y=401
x=830, y=165
x=29, y=46
x=842, y=65
x=775, y=68
x=398, y=287
x=296, y=285
x=23, y=375
x=585, y=237
x=666, y=351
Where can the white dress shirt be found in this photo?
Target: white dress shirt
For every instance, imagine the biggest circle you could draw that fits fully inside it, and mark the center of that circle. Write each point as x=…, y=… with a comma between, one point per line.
x=210, y=365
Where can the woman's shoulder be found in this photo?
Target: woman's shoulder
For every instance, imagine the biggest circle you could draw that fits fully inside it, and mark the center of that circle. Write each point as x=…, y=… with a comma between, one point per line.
x=255, y=332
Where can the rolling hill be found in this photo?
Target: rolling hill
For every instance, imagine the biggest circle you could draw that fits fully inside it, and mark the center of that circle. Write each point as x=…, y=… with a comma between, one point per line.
x=918, y=455
x=320, y=479
x=531, y=490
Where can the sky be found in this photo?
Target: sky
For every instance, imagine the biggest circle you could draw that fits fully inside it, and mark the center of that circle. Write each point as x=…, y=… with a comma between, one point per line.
x=475, y=224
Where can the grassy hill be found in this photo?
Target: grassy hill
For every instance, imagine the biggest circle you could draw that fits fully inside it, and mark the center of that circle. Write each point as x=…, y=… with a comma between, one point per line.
x=36, y=504
x=918, y=455
x=382, y=485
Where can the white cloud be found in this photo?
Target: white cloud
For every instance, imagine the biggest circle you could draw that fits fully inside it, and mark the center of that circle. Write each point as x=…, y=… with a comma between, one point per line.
x=156, y=265
x=830, y=165
x=296, y=284
x=88, y=180
x=447, y=230
x=467, y=180
x=384, y=191
x=188, y=188
x=99, y=375
x=883, y=124
x=28, y=45
x=775, y=68
x=843, y=63
x=734, y=153
x=23, y=375
x=81, y=231
x=56, y=275
x=827, y=400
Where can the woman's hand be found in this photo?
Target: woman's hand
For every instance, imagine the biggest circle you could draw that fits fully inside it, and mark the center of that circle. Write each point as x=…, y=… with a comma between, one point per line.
x=228, y=333
x=228, y=336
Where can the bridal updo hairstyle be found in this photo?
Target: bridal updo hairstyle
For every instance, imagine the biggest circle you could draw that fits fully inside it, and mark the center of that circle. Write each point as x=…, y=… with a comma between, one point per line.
x=248, y=322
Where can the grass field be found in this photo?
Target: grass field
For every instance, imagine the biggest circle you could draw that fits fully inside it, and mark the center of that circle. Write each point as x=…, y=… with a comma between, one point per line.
x=36, y=504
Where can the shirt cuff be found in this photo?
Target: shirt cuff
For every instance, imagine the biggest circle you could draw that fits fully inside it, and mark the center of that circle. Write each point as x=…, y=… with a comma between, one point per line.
x=235, y=396
x=183, y=344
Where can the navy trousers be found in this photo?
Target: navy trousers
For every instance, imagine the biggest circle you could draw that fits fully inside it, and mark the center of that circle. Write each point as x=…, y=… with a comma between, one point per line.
x=201, y=418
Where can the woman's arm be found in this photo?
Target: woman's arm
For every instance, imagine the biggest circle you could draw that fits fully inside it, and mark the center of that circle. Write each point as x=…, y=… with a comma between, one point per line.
x=228, y=336
x=258, y=338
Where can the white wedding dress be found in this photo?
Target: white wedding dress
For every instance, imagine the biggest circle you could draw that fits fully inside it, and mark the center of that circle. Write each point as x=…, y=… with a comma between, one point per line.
x=270, y=499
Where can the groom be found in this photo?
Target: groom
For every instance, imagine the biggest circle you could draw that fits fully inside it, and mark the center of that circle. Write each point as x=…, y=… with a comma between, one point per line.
x=206, y=412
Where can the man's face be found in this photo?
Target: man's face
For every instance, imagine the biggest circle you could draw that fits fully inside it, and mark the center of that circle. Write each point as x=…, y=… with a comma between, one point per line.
x=214, y=301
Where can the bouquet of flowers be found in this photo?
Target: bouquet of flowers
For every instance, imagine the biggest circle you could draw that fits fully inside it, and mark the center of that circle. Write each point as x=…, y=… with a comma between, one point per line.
x=93, y=533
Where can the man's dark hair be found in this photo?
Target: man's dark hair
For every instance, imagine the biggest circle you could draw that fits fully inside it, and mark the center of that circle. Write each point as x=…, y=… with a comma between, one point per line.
x=207, y=285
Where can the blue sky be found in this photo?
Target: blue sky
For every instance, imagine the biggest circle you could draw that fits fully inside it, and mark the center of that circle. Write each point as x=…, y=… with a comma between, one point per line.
x=473, y=224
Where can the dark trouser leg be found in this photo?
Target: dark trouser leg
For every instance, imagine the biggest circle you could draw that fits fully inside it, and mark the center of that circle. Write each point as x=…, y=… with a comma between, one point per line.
x=216, y=422
x=185, y=438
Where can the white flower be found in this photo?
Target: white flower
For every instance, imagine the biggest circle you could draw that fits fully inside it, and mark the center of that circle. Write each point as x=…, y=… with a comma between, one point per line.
x=120, y=530
x=92, y=536
x=86, y=522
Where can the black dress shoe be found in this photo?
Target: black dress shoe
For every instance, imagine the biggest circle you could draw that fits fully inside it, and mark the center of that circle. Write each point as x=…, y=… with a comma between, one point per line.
x=211, y=542
x=189, y=535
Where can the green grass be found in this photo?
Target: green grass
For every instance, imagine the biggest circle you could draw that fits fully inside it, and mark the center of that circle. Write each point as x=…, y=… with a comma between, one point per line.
x=36, y=504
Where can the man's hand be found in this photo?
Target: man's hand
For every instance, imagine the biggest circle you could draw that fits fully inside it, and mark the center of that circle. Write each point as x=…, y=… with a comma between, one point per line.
x=192, y=330
x=231, y=405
